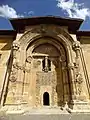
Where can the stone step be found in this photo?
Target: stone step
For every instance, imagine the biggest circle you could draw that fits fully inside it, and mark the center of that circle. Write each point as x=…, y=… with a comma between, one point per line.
x=47, y=117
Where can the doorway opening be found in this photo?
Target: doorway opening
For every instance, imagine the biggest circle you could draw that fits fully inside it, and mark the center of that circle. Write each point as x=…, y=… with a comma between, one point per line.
x=46, y=99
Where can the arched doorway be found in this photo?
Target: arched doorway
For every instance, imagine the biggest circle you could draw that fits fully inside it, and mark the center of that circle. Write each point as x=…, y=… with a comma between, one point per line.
x=48, y=63
x=46, y=99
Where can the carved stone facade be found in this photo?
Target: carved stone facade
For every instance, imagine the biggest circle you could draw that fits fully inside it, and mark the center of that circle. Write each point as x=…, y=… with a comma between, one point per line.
x=46, y=68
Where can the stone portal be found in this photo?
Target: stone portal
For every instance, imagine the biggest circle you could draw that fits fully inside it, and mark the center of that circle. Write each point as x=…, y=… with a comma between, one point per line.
x=46, y=69
x=45, y=76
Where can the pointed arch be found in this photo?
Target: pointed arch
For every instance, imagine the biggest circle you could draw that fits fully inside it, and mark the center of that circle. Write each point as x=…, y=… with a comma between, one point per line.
x=59, y=34
x=37, y=32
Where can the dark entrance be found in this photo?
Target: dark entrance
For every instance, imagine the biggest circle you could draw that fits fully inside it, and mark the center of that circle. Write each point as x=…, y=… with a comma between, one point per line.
x=46, y=98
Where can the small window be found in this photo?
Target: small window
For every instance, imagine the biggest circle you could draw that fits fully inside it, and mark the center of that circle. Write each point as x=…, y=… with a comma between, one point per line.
x=43, y=65
x=49, y=65
x=46, y=65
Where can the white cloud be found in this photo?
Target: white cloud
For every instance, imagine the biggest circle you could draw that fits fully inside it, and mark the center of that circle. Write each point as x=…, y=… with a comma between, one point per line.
x=73, y=9
x=30, y=12
x=8, y=12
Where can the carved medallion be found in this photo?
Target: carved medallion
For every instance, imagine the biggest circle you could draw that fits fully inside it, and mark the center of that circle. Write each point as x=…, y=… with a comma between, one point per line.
x=13, y=77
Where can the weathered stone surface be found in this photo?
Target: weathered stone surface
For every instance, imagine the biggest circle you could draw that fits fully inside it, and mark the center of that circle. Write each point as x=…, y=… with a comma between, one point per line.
x=45, y=59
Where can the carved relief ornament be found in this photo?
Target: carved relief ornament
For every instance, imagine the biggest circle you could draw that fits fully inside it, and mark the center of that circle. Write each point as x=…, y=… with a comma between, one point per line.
x=15, y=48
x=76, y=45
x=44, y=29
x=21, y=67
x=79, y=78
x=13, y=76
x=70, y=66
x=29, y=59
x=79, y=81
x=15, y=45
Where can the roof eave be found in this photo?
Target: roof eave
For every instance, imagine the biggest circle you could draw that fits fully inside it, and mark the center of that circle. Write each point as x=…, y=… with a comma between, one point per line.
x=20, y=23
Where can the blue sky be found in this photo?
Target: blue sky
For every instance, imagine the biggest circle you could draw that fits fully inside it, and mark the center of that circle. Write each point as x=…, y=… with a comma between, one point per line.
x=30, y=8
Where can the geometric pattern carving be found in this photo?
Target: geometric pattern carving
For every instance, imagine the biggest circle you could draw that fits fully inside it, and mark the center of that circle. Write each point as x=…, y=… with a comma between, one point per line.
x=45, y=79
x=21, y=67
